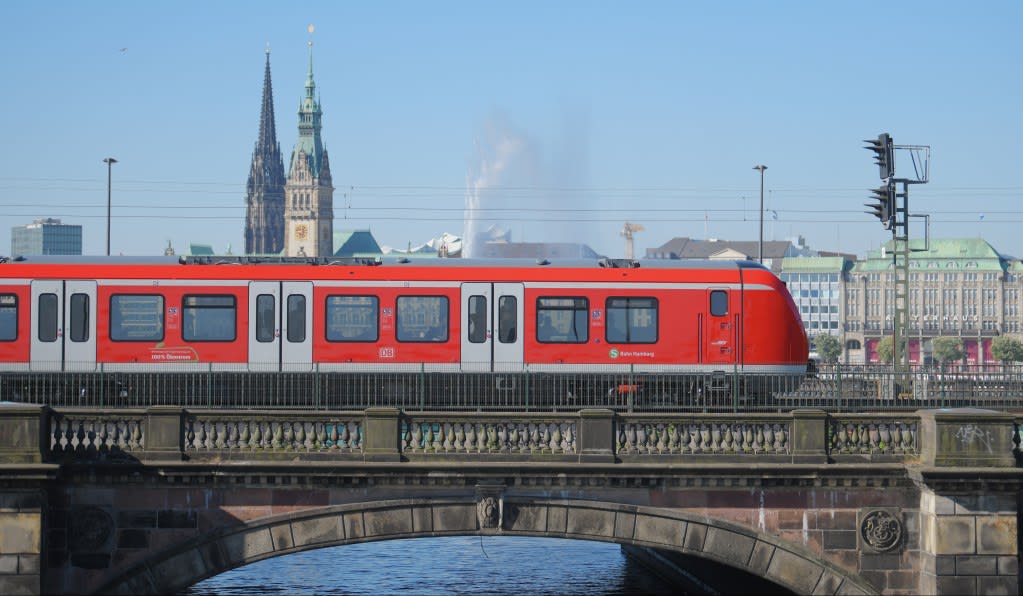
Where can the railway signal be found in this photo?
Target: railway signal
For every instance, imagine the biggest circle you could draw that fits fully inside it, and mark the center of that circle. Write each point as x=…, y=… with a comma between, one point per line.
x=884, y=154
x=883, y=205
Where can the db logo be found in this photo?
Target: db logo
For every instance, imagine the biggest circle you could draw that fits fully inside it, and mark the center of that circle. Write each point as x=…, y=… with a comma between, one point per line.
x=387, y=352
x=613, y=353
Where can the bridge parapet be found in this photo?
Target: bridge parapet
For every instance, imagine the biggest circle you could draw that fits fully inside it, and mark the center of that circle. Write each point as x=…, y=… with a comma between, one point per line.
x=932, y=437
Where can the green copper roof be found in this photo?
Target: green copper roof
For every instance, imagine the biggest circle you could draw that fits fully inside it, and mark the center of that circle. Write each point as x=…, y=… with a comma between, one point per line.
x=943, y=254
x=309, y=125
x=349, y=243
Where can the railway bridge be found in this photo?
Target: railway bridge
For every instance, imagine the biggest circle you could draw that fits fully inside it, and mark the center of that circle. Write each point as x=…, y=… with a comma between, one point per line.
x=152, y=500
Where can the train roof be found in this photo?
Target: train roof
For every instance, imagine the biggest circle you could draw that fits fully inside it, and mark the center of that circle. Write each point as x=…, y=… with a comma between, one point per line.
x=383, y=262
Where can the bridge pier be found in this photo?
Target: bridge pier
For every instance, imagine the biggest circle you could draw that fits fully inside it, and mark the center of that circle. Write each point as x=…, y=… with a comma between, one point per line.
x=969, y=503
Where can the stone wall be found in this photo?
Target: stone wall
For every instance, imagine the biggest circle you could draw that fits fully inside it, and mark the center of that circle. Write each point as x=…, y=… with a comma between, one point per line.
x=21, y=541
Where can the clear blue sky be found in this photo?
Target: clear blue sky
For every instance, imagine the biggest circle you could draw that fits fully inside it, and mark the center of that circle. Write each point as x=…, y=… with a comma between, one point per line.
x=649, y=112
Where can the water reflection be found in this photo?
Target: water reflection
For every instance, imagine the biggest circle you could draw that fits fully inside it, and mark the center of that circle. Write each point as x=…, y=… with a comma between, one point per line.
x=455, y=565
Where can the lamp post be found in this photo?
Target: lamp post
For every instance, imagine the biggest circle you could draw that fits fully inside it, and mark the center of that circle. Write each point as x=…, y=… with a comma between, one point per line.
x=110, y=161
x=760, y=250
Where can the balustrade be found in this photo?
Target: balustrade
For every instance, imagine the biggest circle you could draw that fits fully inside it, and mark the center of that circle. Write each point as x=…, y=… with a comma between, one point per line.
x=702, y=437
x=464, y=435
x=96, y=435
x=205, y=433
x=876, y=436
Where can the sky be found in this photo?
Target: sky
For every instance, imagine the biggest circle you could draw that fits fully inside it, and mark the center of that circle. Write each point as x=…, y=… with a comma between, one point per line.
x=564, y=119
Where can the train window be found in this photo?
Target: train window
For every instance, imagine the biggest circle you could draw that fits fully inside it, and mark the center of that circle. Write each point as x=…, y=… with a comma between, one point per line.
x=507, y=314
x=208, y=318
x=477, y=319
x=422, y=319
x=48, y=317
x=296, y=318
x=352, y=318
x=8, y=317
x=266, y=308
x=631, y=320
x=79, y=317
x=136, y=317
x=562, y=320
x=718, y=303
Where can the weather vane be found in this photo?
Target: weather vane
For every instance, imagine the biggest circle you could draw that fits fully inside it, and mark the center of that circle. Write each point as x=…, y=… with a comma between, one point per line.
x=311, y=29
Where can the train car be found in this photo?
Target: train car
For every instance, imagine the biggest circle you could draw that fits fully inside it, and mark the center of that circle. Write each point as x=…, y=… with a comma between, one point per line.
x=366, y=315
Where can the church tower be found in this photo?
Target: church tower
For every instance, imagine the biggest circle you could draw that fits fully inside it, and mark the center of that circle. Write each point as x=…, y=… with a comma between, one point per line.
x=309, y=192
x=264, y=201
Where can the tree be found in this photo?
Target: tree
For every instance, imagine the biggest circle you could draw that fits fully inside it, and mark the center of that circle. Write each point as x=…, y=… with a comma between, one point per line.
x=828, y=347
x=1007, y=349
x=947, y=349
x=884, y=348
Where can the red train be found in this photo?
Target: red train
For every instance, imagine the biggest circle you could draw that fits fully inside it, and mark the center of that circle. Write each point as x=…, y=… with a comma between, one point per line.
x=277, y=314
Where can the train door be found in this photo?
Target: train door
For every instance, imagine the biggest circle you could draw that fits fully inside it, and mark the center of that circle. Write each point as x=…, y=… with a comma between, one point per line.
x=491, y=327
x=508, y=321
x=264, y=325
x=297, y=329
x=720, y=330
x=80, y=325
x=63, y=325
x=280, y=315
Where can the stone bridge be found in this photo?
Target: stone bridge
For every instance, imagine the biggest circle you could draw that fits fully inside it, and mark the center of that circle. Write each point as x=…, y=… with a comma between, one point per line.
x=155, y=500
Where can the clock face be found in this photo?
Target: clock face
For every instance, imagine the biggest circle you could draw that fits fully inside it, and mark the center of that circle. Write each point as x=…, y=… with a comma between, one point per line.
x=301, y=232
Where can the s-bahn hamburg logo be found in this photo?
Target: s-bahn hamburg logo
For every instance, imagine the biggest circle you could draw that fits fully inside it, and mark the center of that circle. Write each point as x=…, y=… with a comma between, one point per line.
x=614, y=353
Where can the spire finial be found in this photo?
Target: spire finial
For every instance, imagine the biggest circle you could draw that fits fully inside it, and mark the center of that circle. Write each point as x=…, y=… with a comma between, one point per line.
x=268, y=49
x=309, y=76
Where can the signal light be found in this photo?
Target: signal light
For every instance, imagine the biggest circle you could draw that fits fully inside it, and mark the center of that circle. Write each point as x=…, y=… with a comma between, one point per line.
x=884, y=206
x=884, y=154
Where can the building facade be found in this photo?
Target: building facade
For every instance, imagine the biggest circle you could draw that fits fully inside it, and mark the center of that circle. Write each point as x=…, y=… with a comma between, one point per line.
x=309, y=191
x=957, y=288
x=46, y=237
x=264, y=200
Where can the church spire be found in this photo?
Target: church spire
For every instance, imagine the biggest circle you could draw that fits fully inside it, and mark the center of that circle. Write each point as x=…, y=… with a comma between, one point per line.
x=267, y=128
x=264, y=221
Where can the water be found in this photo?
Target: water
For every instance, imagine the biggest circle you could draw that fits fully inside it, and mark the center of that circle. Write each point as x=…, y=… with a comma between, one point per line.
x=454, y=565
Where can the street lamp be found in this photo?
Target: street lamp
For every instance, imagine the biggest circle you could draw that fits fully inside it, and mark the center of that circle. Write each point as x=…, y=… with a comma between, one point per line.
x=110, y=161
x=760, y=251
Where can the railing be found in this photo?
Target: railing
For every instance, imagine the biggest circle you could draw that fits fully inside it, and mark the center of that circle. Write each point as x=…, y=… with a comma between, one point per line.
x=838, y=388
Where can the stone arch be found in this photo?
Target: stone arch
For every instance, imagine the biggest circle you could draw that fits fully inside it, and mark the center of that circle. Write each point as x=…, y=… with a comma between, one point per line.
x=192, y=561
